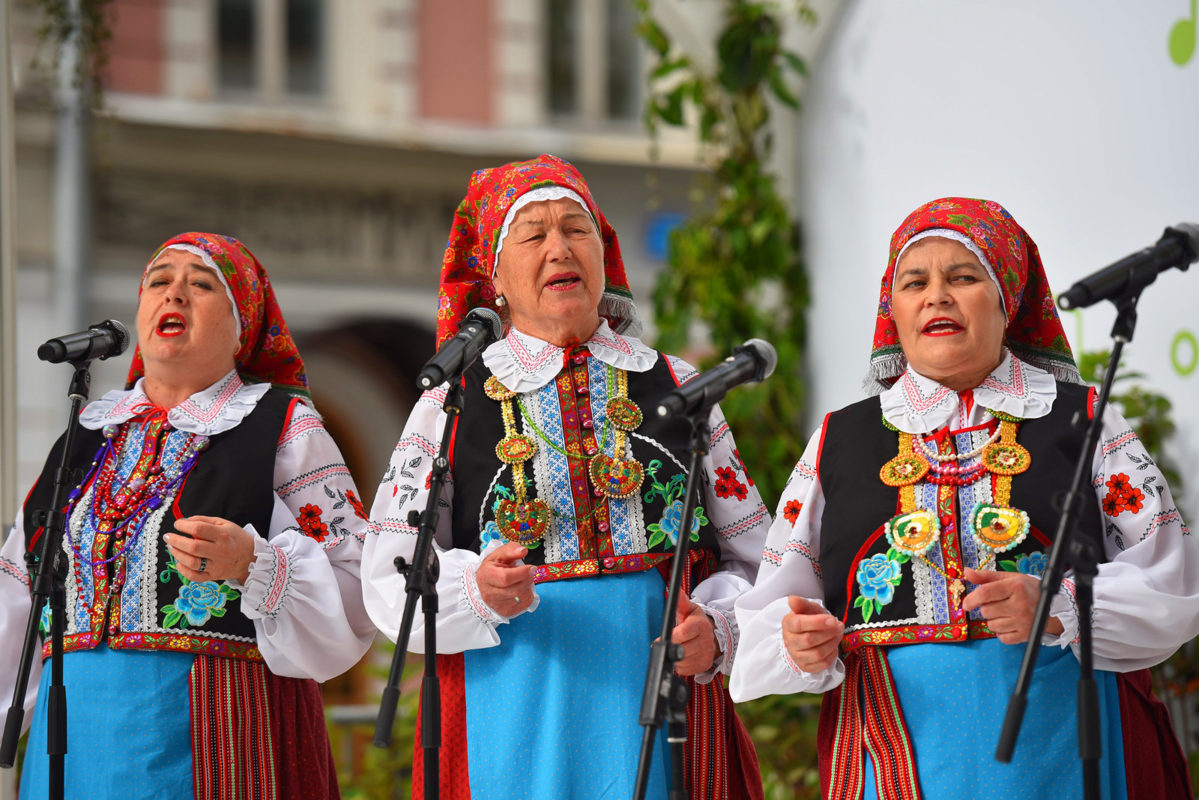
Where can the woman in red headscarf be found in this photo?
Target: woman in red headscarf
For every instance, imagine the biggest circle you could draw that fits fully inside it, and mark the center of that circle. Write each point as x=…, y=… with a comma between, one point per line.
x=213, y=546
x=904, y=562
x=564, y=505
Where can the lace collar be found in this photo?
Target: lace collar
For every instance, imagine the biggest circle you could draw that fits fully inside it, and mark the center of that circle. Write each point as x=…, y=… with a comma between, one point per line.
x=916, y=404
x=219, y=408
x=524, y=363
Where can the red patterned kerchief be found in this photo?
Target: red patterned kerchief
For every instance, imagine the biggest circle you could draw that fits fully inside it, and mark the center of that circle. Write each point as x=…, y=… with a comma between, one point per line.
x=1034, y=331
x=267, y=353
x=470, y=252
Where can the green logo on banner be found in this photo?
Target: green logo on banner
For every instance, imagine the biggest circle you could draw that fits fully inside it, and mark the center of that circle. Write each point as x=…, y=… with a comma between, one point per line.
x=1182, y=39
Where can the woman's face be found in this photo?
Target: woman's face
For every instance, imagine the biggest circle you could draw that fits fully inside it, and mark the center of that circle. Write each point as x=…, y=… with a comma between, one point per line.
x=948, y=313
x=184, y=318
x=551, y=271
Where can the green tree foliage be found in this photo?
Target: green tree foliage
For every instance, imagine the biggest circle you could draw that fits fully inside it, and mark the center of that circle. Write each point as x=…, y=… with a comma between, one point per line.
x=735, y=269
x=735, y=265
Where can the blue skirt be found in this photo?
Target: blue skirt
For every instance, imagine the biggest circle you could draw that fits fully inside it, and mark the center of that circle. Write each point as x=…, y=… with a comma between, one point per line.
x=954, y=698
x=552, y=711
x=128, y=727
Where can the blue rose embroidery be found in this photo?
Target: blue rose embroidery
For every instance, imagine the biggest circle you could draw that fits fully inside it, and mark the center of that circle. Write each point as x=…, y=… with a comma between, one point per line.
x=1032, y=564
x=197, y=603
x=672, y=518
x=877, y=578
x=491, y=533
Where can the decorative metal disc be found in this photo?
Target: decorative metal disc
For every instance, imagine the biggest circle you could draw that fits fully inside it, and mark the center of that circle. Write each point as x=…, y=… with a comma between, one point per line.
x=1006, y=458
x=913, y=533
x=615, y=477
x=515, y=449
x=624, y=414
x=999, y=528
x=904, y=470
x=496, y=390
x=523, y=523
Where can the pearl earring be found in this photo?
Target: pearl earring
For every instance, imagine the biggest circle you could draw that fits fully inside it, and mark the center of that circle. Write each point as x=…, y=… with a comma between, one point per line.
x=499, y=300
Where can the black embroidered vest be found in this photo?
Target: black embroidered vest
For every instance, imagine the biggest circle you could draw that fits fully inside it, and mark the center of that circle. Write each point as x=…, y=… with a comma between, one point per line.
x=588, y=534
x=138, y=601
x=858, y=503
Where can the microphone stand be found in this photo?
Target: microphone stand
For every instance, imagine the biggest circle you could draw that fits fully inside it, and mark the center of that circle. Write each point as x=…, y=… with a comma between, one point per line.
x=1084, y=560
x=48, y=572
x=421, y=581
x=665, y=695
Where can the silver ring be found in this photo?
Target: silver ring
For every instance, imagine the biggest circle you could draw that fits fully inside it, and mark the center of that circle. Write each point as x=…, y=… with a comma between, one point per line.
x=203, y=565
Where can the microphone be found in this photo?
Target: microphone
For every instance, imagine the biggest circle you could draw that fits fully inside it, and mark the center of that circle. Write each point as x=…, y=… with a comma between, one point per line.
x=751, y=362
x=479, y=328
x=1178, y=247
x=104, y=339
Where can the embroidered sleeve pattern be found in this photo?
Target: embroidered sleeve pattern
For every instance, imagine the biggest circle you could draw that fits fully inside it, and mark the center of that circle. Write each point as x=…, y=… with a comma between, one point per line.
x=12, y=569
x=470, y=592
x=279, y=584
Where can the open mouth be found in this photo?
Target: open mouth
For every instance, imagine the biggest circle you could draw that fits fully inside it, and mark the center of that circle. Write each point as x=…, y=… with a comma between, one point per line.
x=941, y=327
x=562, y=282
x=171, y=325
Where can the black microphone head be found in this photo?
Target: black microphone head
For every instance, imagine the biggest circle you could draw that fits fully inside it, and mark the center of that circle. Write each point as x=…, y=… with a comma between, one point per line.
x=487, y=318
x=1188, y=234
x=766, y=356
x=120, y=335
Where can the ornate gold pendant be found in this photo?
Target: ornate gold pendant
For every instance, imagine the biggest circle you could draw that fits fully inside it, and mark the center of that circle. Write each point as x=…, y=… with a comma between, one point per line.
x=913, y=533
x=999, y=528
x=956, y=590
x=523, y=523
x=1006, y=458
x=515, y=449
x=624, y=414
x=496, y=390
x=615, y=477
x=903, y=470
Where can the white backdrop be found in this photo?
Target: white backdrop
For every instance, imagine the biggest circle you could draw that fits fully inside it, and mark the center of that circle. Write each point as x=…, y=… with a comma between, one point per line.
x=1072, y=114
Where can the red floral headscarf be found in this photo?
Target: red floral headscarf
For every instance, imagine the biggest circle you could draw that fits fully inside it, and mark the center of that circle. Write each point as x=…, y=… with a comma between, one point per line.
x=1034, y=331
x=267, y=352
x=470, y=253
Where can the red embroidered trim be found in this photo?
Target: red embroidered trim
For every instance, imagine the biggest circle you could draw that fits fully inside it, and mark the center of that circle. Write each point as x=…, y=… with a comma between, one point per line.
x=178, y=643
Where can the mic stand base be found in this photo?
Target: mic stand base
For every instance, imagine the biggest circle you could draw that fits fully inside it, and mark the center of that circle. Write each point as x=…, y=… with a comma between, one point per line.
x=1084, y=562
x=421, y=581
x=661, y=682
x=48, y=571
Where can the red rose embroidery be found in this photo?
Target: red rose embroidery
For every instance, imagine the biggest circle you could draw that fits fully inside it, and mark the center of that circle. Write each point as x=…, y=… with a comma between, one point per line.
x=727, y=484
x=311, y=522
x=1122, y=496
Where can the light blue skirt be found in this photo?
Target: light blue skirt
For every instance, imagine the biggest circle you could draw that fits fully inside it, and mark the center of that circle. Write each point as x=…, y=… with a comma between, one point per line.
x=954, y=698
x=128, y=727
x=552, y=711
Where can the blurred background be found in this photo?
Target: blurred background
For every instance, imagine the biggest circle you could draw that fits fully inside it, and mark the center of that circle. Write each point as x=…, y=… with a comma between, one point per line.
x=336, y=138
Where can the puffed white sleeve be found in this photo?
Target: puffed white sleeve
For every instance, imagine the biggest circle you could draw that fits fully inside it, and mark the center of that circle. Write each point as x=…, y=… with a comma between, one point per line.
x=15, y=603
x=303, y=592
x=1147, y=592
x=464, y=621
x=736, y=511
x=790, y=565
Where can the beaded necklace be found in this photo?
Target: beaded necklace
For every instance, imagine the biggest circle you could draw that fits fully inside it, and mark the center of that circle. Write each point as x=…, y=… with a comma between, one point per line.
x=127, y=507
x=525, y=520
x=995, y=527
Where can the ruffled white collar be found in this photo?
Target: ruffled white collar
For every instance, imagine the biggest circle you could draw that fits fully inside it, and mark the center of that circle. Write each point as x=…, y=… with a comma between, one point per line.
x=916, y=404
x=219, y=408
x=524, y=363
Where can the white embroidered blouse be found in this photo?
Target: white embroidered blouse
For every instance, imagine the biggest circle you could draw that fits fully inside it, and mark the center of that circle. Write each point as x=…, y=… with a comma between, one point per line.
x=525, y=364
x=302, y=593
x=1146, y=593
